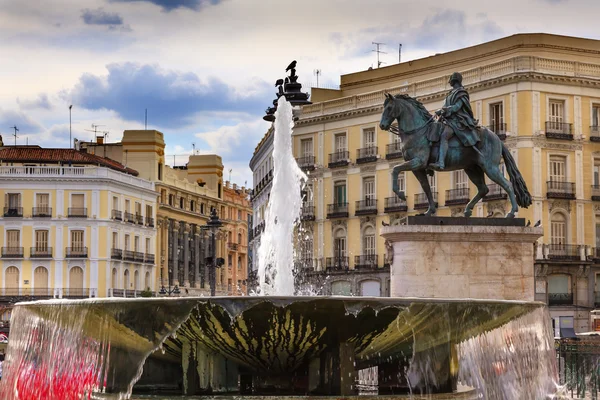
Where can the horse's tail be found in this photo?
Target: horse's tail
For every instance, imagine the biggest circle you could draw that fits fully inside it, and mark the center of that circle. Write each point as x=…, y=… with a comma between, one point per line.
x=519, y=186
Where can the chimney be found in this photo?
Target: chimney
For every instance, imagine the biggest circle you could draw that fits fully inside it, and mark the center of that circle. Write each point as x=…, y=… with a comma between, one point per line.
x=235, y=186
x=100, y=139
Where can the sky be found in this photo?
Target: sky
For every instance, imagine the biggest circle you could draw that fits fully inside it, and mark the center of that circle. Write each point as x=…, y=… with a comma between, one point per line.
x=205, y=69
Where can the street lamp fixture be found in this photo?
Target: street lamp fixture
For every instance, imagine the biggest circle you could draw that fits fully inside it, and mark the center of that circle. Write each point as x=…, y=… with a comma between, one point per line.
x=213, y=226
x=167, y=292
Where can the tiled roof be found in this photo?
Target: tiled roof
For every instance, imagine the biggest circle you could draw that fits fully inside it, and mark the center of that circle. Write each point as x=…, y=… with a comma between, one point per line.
x=62, y=156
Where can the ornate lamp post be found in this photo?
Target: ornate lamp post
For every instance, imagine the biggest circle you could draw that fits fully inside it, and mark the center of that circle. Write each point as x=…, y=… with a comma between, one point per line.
x=213, y=226
x=164, y=291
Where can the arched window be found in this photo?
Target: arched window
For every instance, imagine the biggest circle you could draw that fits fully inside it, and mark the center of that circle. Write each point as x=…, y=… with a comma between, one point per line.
x=341, y=288
x=239, y=264
x=11, y=281
x=240, y=238
x=171, y=200
x=182, y=203
x=147, y=282
x=40, y=281
x=370, y=288
x=558, y=229
x=368, y=242
x=193, y=206
x=201, y=208
x=136, y=280
x=76, y=281
x=114, y=279
x=126, y=280
x=340, y=261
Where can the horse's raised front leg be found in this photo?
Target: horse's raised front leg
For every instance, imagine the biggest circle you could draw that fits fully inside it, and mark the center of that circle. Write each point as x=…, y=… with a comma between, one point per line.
x=410, y=165
x=421, y=175
x=475, y=174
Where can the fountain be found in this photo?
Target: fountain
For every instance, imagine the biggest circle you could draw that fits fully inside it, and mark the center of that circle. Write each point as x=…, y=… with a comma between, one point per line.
x=286, y=347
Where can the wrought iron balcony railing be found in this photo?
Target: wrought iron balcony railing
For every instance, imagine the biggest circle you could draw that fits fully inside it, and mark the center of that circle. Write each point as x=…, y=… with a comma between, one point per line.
x=337, y=263
x=150, y=222
x=394, y=204
x=149, y=258
x=138, y=256
x=337, y=210
x=307, y=213
x=496, y=193
x=40, y=252
x=560, y=190
x=457, y=196
x=339, y=159
x=129, y=217
x=77, y=293
x=564, y=252
x=13, y=212
x=77, y=212
x=560, y=299
x=306, y=163
x=232, y=246
x=499, y=129
x=42, y=212
x=304, y=264
x=366, y=154
x=595, y=133
x=393, y=150
x=139, y=219
x=596, y=192
x=77, y=252
x=116, y=254
x=128, y=255
x=12, y=252
x=117, y=215
x=368, y=261
x=367, y=206
x=25, y=292
x=421, y=200
x=559, y=130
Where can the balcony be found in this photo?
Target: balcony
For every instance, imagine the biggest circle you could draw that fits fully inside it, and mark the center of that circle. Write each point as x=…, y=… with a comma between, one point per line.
x=564, y=252
x=337, y=210
x=306, y=163
x=13, y=212
x=337, y=264
x=366, y=155
x=307, y=213
x=595, y=254
x=41, y=212
x=421, y=200
x=116, y=254
x=37, y=293
x=499, y=129
x=129, y=255
x=40, y=252
x=149, y=258
x=139, y=219
x=366, y=207
x=339, y=159
x=129, y=217
x=594, y=133
x=368, y=261
x=304, y=264
x=77, y=252
x=232, y=246
x=394, y=204
x=150, y=222
x=596, y=192
x=77, y=212
x=393, y=151
x=117, y=215
x=560, y=299
x=138, y=256
x=559, y=130
x=496, y=193
x=457, y=196
x=560, y=190
x=12, y=252
x=78, y=293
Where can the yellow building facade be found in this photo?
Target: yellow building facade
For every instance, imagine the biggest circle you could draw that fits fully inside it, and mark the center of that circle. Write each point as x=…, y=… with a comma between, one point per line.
x=540, y=93
x=63, y=223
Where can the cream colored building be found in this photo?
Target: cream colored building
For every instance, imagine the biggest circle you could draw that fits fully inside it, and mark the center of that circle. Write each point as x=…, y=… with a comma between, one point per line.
x=74, y=225
x=540, y=93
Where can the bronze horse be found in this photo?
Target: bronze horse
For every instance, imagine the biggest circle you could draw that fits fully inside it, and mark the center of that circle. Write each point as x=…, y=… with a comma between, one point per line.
x=416, y=126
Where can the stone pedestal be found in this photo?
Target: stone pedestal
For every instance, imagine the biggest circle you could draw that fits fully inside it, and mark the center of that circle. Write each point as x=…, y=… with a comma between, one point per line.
x=433, y=258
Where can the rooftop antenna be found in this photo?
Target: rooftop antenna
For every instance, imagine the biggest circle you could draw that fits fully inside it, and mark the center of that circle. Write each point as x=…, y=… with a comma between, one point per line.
x=378, y=52
x=399, y=52
x=317, y=72
x=94, y=129
x=15, y=134
x=193, y=149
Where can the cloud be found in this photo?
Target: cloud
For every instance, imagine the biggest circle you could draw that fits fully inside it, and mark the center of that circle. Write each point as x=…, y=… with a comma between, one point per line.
x=169, y=5
x=173, y=99
x=42, y=102
x=22, y=121
x=100, y=17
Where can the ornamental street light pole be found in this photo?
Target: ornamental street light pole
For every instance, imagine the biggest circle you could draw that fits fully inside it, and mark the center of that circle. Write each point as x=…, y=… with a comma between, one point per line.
x=213, y=225
x=164, y=291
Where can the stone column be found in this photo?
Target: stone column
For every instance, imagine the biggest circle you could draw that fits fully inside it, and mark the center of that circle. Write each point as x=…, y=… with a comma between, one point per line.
x=186, y=255
x=174, y=247
x=197, y=255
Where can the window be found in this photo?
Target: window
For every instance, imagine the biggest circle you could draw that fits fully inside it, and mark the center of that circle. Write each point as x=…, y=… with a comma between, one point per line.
x=40, y=278
x=558, y=229
x=192, y=206
x=115, y=240
x=240, y=215
x=13, y=238
x=163, y=196
x=369, y=137
x=239, y=238
x=219, y=190
x=341, y=288
x=496, y=117
x=307, y=147
x=369, y=241
x=181, y=203
x=461, y=181
x=597, y=234
x=127, y=206
x=138, y=208
x=369, y=189
x=148, y=245
x=595, y=115
x=77, y=239
x=229, y=260
x=127, y=242
x=13, y=201
x=402, y=181
x=77, y=201
x=340, y=142
x=171, y=200
x=370, y=288
x=339, y=193
x=558, y=168
x=149, y=211
x=201, y=208
x=239, y=263
x=42, y=201
x=41, y=240
x=307, y=249
x=556, y=115
x=115, y=203
x=339, y=244
x=222, y=211
x=136, y=243
x=559, y=283
x=596, y=173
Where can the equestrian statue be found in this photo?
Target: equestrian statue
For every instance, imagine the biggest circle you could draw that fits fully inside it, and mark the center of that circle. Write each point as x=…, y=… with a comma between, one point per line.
x=451, y=140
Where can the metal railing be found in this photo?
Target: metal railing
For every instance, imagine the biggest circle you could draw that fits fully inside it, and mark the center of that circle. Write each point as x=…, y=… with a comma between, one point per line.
x=304, y=264
x=421, y=200
x=596, y=192
x=77, y=293
x=595, y=133
x=338, y=159
x=232, y=246
x=337, y=210
x=577, y=361
x=139, y=219
x=12, y=252
x=116, y=254
x=128, y=255
x=564, y=252
x=129, y=217
x=77, y=252
x=307, y=213
x=117, y=214
x=457, y=196
x=366, y=207
x=150, y=222
x=499, y=129
x=13, y=212
x=39, y=293
x=138, y=256
x=394, y=204
x=337, y=263
x=559, y=130
x=368, y=261
x=41, y=212
x=77, y=212
x=496, y=193
x=366, y=154
x=560, y=190
x=149, y=258
x=306, y=162
x=560, y=299
x=393, y=150
x=40, y=252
